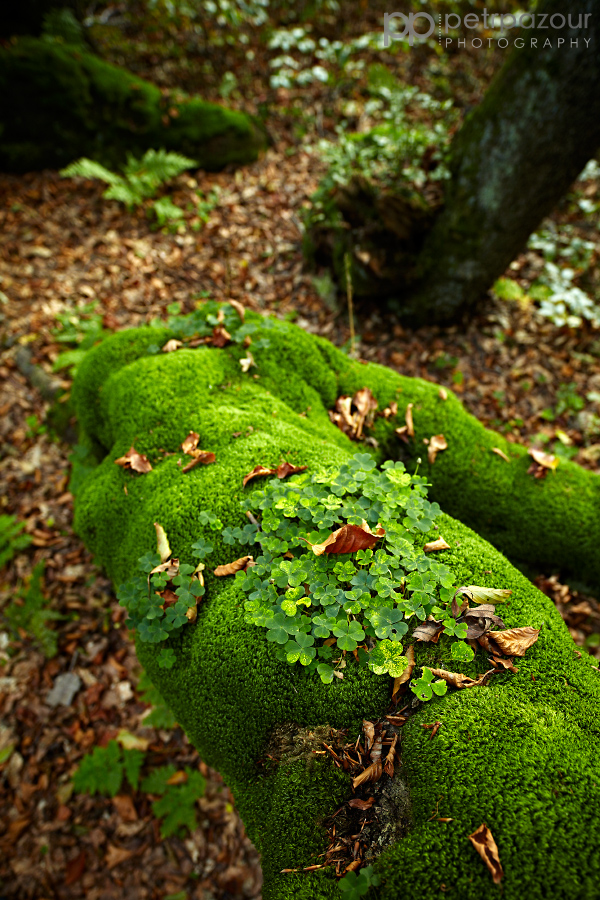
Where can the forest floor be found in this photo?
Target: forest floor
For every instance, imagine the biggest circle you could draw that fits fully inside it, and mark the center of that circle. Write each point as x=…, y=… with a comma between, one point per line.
x=64, y=248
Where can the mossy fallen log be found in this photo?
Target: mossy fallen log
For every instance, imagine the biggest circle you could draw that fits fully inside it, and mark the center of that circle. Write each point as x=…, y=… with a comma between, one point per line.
x=60, y=102
x=520, y=754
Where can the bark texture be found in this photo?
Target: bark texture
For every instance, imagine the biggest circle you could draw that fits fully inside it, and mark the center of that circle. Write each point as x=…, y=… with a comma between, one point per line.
x=513, y=159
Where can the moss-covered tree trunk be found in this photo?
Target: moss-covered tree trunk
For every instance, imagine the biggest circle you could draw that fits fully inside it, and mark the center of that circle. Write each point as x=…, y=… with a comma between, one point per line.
x=513, y=159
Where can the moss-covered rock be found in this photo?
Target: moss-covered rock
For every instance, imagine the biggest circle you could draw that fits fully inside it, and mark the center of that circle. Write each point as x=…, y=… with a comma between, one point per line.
x=59, y=102
x=520, y=755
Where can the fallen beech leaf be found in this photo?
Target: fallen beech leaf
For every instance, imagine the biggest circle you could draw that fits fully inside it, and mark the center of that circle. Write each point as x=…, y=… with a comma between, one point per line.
x=546, y=460
x=171, y=567
x=440, y=544
x=116, y=855
x=396, y=720
x=348, y=539
x=238, y=565
x=172, y=345
x=169, y=598
x=285, y=468
x=191, y=613
x=515, y=641
x=125, y=808
x=443, y=394
x=201, y=457
x=365, y=402
x=258, y=472
x=428, y=631
x=501, y=453
x=458, y=680
x=408, y=418
x=239, y=308
x=129, y=741
x=436, y=443
x=361, y=804
x=220, y=336
x=509, y=664
x=485, y=595
x=407, y=674
x=388, y=766
x=247, y=362
x=135, y=461
x=402, y=433
x=391, y=410
x=190, y=443
x=487, y=848
x=371, y=773
x=479, y=621
x=75, y=869
x=369, y=730
x=162, y=544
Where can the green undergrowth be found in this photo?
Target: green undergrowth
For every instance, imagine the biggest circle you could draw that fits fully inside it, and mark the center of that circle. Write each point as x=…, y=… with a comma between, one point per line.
x=59, y=102
x=520, y=754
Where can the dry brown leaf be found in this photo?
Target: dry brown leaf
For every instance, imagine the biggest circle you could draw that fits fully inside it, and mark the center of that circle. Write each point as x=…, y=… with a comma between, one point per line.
x=371, y=773
x=443, y=394
x=406, y=675
x=200, y=458
x=171, y=567
x=402, y=433
x=458, y=680
x=498, y=661
x=116, y=855
x=440, y=544
x=369, y=731
x=285, y=468
x=356, y=803
x=428, y=631
x=239, y=308
x=408, y=418
x=388, y=766
x=396, y=720
x=220, y=336
x=179, y=777
x=487, y=848
x=348, y=539
x=436, y=443
x=501, y=453
x=258, y=472
x=247, y=362
x=352, y=423
x=125, y=808
x=515, y=641
x=391, y=410
x=365, y=402
x=546, y=460
x=480, y=620
x=238, y=565
x=135, y=461
x=190, y=443
x=162, y=544
x=172, y=345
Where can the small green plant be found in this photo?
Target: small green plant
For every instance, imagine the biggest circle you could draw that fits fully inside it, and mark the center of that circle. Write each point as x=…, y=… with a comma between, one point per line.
x=12, y=539
x=160, y=715
x=176, y=805
x=140, y=181
x=567, y=399
x=29, y=613
x=356, y=884
x=102, y=771
x=81, y=328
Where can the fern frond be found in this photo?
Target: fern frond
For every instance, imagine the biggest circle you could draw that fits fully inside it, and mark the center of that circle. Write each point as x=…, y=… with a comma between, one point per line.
x=159, y=165
x=125, y=193
x=88, y=168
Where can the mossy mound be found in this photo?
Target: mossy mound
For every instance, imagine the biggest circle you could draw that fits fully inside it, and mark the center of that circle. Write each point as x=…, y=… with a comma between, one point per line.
x=59, y=102
x=520, y=755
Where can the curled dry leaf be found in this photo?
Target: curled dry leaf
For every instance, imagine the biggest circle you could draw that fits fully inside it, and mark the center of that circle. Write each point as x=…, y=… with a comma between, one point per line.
x=443, y=394
x=171, y=567
x=501, y=453
x=408, y=418
x=202, y=458
x=484, y=594
x=247, y=362
x=257, y=472
x=357, y=803
x=440, y=544
x=498, y=662
x=162, y=544
x=172, y=345
x=402, y=433
x=515, y=641
x=220, y=336
x=436, y=443
x=388, y=766
x=365, y=402
x=487, y=848
x=546, y=460
x=369, y=732
x=407, y=674
x=391, y=410
x=190, y=443
x=285, y=468
x=135, y=461
x=348, y=539
x=238, y=565
x=397, y=720
x=371, y=773
x=239, y=308
x=353, y=423
x=458, y=680
x=480, y=620
x=428, y=631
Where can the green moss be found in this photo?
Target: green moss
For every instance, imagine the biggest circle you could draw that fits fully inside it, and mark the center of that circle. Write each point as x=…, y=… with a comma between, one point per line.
x=519, y=754
x=59, y=102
